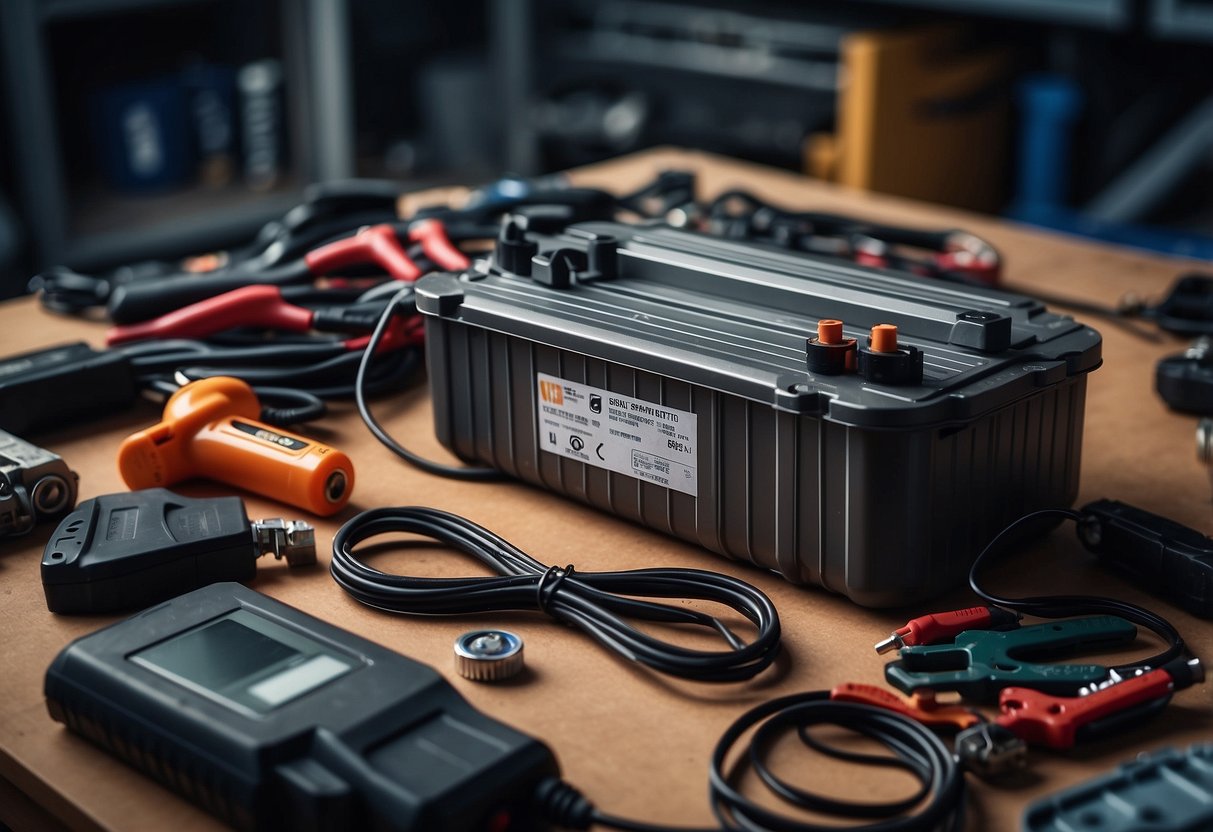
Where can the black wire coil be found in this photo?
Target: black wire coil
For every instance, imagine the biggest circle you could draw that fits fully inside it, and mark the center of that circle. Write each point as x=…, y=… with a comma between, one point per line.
x=594, y=602
x=937, y=805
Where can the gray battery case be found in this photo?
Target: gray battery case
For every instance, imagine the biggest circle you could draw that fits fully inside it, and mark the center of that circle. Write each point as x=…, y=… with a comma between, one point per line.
x=662, y=376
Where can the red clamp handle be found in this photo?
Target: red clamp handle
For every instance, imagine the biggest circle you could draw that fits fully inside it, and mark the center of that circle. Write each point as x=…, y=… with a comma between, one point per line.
x=986, y=272
x=376, y=244
x=1053, y=721
x=260, y=306
x=431, y=234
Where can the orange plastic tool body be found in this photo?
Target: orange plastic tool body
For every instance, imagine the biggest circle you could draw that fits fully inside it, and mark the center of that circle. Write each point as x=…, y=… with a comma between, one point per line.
x=921, y=707
x=210, y=430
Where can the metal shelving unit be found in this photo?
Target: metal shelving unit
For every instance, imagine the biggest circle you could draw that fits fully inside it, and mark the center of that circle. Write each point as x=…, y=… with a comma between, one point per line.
x=1099, y=14
x=1183, y=19
x=315, y=58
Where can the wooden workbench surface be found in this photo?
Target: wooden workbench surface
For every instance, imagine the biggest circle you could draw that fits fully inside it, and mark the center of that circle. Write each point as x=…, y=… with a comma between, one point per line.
x=637, y=744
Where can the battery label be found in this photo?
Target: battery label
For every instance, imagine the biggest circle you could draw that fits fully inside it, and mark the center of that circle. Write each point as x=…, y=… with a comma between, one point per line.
x=608, y=430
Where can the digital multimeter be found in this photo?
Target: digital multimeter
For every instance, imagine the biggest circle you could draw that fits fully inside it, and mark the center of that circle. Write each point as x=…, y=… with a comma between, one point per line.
x=271, y=719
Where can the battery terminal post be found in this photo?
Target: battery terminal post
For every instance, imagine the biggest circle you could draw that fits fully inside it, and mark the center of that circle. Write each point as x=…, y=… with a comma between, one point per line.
x=830, y=353
x=885, y=361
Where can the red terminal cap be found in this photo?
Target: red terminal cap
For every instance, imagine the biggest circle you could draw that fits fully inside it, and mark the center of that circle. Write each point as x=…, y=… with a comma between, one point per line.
x=884, y=338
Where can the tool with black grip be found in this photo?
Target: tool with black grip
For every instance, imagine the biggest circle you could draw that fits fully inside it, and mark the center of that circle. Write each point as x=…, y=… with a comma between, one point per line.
x=35, y=485
x=1158, y=555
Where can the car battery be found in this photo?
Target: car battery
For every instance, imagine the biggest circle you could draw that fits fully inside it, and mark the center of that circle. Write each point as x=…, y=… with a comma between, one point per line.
x=683, y=382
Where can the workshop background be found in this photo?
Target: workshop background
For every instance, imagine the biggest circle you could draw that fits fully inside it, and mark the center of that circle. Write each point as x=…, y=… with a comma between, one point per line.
x=139, y=129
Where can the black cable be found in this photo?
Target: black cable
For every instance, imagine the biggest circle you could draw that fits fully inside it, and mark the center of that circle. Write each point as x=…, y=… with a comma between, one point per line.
x=69, y=292
x=405, y=298
x=282, y=406
x=1123, y=317
x=594, y=602
x=322, y=368
x=938, y=804
x=670, y=189
x=1068, y=606
x=343, y=365
x=152, y=356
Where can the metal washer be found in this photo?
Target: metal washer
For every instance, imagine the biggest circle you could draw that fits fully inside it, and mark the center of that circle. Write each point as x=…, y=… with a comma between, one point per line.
x=488, y=655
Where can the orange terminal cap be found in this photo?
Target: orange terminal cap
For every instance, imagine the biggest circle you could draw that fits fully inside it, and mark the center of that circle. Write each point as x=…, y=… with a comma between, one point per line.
x=884, y=338
x=829, y=332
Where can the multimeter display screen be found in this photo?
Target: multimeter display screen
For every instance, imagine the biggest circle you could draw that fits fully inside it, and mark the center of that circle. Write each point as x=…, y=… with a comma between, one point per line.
x=246, y=661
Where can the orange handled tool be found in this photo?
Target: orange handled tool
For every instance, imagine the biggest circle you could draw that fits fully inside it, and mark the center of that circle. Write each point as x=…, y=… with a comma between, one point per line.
x=210, y=429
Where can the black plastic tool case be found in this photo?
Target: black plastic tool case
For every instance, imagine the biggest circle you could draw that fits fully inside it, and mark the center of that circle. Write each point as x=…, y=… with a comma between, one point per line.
x=661, y=376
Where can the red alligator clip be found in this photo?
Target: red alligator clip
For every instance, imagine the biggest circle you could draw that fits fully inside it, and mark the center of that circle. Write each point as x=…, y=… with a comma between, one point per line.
x=1054, y=721
x=971, y=256
x=260, y=306
x=921, y=707
x=431, y=235
x=264, y=307
x=377, y=244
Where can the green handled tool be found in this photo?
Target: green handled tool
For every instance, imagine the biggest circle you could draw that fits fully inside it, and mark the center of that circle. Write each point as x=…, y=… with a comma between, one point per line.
x=980, y=663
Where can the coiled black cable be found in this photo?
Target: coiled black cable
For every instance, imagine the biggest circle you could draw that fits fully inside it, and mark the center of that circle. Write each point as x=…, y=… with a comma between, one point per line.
x=1068, y=606
x=937, y=805
x=594, y=602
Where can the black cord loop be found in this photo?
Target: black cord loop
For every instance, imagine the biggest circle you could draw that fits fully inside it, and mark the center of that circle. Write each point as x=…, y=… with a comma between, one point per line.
x=594, y=602
x=1068, y=606
x=544, y=591
x=937, y=805
x=915, y=749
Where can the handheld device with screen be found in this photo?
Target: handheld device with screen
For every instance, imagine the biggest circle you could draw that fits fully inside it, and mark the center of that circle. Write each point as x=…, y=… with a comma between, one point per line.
x=271, y=719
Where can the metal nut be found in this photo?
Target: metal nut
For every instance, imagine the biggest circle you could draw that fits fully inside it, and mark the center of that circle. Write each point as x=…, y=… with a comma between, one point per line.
x=488, y=655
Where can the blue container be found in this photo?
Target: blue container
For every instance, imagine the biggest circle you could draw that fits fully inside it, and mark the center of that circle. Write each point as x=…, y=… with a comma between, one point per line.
x=142, y=133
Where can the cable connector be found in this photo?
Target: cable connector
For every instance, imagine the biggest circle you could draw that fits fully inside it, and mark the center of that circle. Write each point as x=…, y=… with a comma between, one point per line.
x=563, y=805
x=990, y=750
x=134, y=549
x=941, y=626
x=294, y=540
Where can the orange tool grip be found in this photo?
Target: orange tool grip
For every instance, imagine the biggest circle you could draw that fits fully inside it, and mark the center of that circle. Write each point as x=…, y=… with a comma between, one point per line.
x=210, y=430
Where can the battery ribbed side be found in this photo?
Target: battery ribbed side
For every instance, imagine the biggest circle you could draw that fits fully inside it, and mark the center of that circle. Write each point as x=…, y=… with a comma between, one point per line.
x=886, y=517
